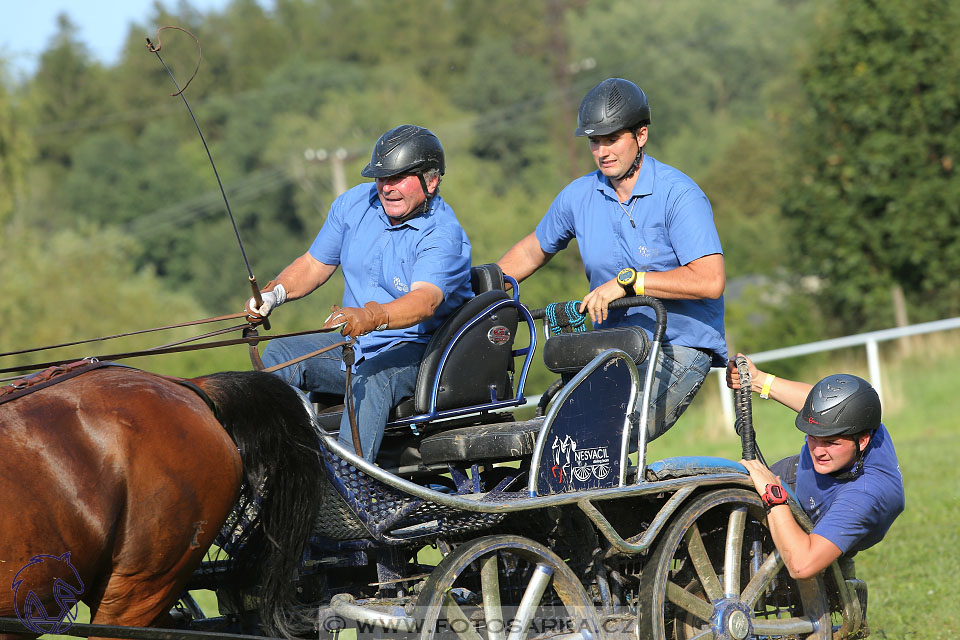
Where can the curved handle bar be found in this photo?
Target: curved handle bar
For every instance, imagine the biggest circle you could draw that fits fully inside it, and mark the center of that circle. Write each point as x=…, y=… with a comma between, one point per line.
x=626, y=303
x=743, y=403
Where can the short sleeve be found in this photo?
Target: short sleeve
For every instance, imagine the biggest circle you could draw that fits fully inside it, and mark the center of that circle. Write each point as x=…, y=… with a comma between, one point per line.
x=851, y=517
x=442, y=259
x=690, y=226
x=556, y=229
x=327, y=245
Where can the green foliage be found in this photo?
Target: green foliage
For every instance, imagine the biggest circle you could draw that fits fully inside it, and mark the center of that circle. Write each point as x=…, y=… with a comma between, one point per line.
x=877, y=202
x=82, y=284
x=16, y=150
x=500, y=83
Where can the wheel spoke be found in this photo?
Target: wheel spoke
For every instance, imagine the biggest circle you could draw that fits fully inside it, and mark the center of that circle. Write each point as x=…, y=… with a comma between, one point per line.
x=768, y=571
x=458, y=620
x=733, y=551
x=782, y=626
x=542, y=574
x=814, y=607
x=706, y=634
x=689, y=602
x=492, y=611
x=701, y=562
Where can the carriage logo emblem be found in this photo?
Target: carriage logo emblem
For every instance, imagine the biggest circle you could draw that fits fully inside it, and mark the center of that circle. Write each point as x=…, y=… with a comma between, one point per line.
x=67, y=588
x=581, y=463
x=498, y=335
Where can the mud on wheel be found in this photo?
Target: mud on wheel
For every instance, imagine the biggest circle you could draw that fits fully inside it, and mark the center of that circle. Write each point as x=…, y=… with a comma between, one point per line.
x=716, y=574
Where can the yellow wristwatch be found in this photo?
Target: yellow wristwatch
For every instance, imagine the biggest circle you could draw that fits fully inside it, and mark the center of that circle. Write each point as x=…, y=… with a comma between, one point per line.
x=626, y=279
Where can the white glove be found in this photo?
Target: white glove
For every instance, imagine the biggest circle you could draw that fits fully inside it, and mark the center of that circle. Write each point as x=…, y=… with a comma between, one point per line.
x=273, y=298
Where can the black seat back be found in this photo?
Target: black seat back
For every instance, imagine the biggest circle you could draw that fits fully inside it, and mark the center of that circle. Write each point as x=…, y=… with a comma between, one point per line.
x=483, y=357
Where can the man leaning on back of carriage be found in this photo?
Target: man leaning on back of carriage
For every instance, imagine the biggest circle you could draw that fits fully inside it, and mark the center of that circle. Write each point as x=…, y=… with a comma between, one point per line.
x=642, y=227
x=846, y=477
x=406, y=267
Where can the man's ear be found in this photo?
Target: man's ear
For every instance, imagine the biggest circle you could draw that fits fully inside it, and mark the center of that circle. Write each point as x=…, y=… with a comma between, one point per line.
x=433, y=183
x=864, y=440
x=642, y=136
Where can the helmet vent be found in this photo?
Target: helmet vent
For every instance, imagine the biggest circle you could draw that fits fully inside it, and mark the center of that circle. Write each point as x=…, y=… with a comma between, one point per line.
x=615, y=100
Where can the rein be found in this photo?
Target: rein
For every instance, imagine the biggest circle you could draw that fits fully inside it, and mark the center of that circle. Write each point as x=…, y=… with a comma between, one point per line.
x=175, y=348
x=231, y=316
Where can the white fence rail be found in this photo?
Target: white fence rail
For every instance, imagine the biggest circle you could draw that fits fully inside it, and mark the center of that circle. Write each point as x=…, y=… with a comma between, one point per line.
x=868, y=340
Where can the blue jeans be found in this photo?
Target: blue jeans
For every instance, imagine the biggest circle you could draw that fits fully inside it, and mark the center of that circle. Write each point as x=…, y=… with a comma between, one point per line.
x=378, y=383
x=679, y=374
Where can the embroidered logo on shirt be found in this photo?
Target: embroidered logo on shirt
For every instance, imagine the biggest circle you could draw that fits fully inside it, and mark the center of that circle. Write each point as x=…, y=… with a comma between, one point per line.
x=644, y=252
x=400, y=285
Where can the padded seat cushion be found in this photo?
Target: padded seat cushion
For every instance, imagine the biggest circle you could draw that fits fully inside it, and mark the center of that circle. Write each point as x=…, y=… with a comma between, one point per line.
x=691, y=466
x=570, y=352
x=502, y=441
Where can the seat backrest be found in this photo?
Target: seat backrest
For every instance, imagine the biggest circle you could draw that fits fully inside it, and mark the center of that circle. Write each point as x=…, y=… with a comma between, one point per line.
x=481, y=359
x=486, y=277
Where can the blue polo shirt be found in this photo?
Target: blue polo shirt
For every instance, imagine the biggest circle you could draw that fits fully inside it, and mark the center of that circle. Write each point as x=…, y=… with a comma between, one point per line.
x=381, y=261
x=855, y=513
x=673, y=225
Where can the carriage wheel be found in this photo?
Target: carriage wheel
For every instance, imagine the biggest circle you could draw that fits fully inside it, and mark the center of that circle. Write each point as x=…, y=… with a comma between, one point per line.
x=716, y=574
x=504, y=586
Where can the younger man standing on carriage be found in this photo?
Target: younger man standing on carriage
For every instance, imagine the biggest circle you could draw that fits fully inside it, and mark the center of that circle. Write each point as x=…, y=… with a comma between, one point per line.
x=642, y=227
x=846, y=477
x=406, y=267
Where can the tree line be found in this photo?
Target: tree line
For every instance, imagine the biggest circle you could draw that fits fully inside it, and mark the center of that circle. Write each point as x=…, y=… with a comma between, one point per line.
x=821, y=131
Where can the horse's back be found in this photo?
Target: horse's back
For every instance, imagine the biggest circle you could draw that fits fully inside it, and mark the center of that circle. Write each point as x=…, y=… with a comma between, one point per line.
x=127, y=471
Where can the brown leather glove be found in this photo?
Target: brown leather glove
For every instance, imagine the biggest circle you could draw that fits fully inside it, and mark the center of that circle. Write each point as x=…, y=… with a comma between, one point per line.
x=358, y=321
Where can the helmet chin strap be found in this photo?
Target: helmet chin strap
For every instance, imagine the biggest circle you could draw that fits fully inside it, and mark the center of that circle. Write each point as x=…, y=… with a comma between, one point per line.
x=427, y=197
x=633, y=168
x=858, y=467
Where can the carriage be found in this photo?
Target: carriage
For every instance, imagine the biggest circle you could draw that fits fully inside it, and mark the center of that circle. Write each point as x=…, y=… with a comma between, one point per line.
x=476, y=525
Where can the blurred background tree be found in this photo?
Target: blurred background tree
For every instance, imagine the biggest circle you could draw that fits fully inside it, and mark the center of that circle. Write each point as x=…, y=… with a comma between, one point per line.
x=821, y=131
x=874, y=200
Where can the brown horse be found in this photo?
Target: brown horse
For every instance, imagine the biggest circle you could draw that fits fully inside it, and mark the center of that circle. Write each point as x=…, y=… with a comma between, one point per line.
x=125, y=478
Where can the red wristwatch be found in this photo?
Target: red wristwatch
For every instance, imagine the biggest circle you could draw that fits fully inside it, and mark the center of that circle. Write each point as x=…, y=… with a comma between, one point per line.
x=773, y=495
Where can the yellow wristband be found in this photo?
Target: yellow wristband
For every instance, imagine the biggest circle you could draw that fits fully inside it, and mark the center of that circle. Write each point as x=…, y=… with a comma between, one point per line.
x=765, y=392
x=638, y=285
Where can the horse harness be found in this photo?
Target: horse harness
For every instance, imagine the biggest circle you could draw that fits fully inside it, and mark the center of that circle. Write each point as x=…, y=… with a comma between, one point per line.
x=52, y=375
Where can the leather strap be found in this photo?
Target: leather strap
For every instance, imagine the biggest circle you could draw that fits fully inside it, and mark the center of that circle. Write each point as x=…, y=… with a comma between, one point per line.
x=49, y=377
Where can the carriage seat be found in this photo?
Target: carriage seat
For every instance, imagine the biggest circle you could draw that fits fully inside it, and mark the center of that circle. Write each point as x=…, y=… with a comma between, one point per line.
x=568, y=353
x=480, y=443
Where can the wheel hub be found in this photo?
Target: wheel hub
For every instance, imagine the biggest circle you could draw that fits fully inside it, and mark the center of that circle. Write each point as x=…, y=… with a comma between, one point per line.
x=731, y=620
x=738, y=625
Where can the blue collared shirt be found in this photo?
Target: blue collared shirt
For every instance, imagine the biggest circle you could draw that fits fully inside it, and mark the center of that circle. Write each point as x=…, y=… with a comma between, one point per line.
x=673, y=226
x=381, y=261
x=854, y=513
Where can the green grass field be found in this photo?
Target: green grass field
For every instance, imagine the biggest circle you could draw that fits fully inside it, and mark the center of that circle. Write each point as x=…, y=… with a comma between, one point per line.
x=912, y=573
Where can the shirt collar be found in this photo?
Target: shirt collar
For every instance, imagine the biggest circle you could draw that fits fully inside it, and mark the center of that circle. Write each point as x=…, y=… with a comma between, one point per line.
x=643, y=186
x=415, y=222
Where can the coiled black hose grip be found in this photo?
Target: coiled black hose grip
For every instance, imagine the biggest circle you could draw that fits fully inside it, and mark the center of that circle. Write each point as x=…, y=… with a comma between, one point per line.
x=743, y=405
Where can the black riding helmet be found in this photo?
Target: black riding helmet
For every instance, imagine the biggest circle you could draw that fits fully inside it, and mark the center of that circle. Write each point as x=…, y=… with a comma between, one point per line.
x=612, y=105
x=840, y=404
x=405, y=149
